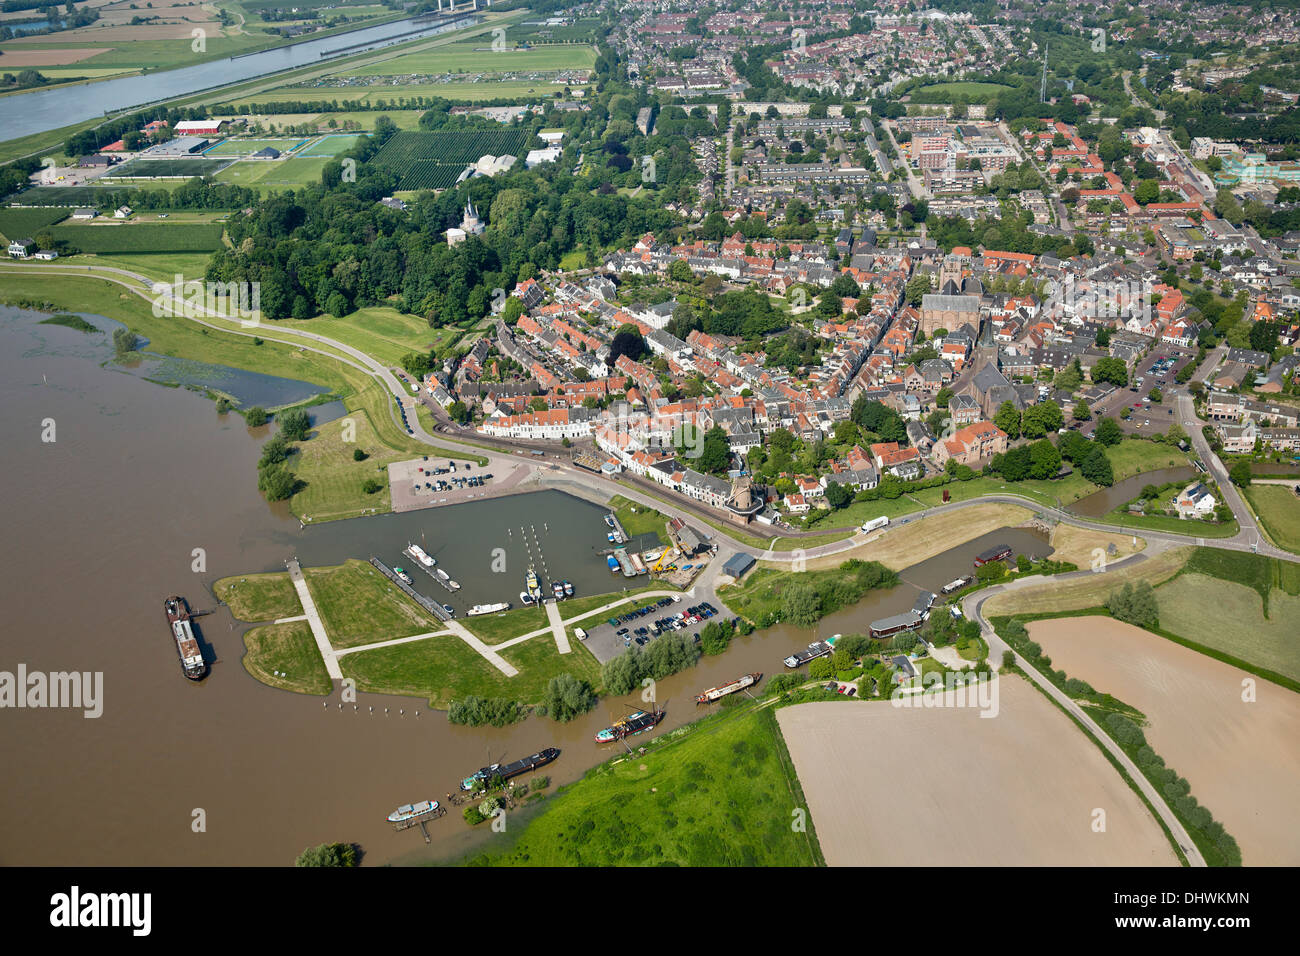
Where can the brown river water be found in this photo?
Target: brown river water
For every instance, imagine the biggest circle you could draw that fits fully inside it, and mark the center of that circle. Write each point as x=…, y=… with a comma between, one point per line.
x=102, y=525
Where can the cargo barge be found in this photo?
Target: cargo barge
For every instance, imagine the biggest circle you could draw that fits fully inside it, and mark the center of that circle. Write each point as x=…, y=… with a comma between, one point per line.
x=630, y=725
x=179, y=617
x=810, y=653
x=504, y=772
x=739, y=684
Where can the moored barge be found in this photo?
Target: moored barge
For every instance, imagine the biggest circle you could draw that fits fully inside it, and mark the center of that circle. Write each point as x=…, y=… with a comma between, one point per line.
x=630, y=725
x=716, y=693
x=506, y=771
x=187, y=643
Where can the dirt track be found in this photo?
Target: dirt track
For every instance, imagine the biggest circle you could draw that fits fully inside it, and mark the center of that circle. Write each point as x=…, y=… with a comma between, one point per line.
x=1240, y=758
x=890, y=786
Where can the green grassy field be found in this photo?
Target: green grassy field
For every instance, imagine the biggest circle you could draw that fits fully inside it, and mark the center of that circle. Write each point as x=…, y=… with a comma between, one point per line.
x=761, y=598
x=477, y=56
x=444, y=669
x=290, y=650
x=638, y=519
x=246, y=147
x=496, y=628
x=276, y=174
x=1278, y=510
x=141, y=237
x=974, y=92
x=334, y=144
x=358, y=605
x=1230, y=618
x=380, y=331
x=332, y=479
x=25, y=223
x=259, y=597
x=718, y=793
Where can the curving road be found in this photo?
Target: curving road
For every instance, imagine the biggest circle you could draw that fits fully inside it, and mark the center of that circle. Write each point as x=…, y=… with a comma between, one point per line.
x=973, y=607
x=1246, y=540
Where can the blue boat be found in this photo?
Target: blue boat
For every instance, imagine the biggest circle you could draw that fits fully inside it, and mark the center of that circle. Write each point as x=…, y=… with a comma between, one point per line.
x=613, y=563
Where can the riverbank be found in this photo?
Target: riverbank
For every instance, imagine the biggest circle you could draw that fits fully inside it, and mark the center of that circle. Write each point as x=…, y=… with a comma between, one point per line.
x=721, y=792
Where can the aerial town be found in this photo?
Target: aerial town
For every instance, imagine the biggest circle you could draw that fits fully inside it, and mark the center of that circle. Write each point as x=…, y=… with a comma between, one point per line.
x=606, y=392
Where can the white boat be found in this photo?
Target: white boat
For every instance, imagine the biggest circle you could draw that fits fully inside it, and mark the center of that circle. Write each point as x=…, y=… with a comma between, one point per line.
x=413, y=811
x=403, y=575
x=478, y=609
x=417, y=552
x=525, y=597
x=568, y=589
x=443, y=576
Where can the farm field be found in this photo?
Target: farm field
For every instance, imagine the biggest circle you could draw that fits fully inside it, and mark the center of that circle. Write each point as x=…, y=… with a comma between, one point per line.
x=729, y=779
x=96, y=196
x=477, y=56
x=25, y=223
x=435, y=160
x=1240, y=758
x=141, y=237
x=1278, y=510
x=1229, y=617
x=982, y=808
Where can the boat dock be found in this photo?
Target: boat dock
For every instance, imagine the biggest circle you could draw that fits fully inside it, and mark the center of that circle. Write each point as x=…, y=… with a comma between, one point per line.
x=438, y=575
x=430, y=605
x=422, y=822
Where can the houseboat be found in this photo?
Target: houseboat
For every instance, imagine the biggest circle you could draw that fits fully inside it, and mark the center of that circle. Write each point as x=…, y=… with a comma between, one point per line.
x=999, y=552
x=956, y=585
x=193, y=665
x=739, y=684
x=478, y=609
x=630, y=725
x=504, y=772
x=810, y=653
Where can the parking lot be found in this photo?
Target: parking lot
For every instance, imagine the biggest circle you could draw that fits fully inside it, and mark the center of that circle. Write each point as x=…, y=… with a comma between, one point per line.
x=638, y=627
x=1157, y=370
x=426, y=481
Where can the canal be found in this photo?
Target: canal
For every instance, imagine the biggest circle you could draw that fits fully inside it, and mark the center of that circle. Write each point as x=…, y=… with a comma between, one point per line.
x=23, y=114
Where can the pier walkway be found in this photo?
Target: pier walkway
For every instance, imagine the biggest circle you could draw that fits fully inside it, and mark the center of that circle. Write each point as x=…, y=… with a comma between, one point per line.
x=397, y=640
x=313, y=619
x=557, y=627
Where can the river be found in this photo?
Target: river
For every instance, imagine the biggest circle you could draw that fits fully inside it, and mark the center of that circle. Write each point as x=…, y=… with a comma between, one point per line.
x=26, y=113
x=103, y=523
